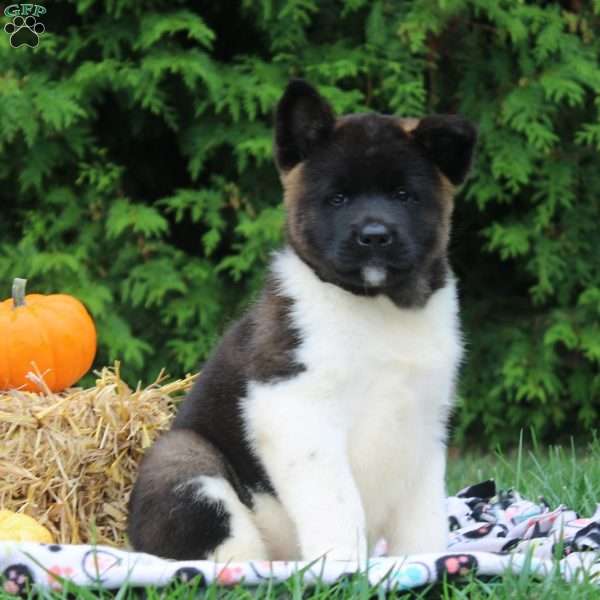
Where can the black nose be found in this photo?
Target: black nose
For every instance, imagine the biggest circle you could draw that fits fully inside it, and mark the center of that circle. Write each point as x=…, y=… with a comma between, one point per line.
x=374, y=235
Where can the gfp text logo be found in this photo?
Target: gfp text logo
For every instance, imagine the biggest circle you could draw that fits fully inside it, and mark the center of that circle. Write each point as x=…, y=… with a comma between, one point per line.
x=24, y=29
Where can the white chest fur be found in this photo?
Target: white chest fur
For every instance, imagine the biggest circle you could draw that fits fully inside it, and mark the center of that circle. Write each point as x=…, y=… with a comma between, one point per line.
x=351, y=437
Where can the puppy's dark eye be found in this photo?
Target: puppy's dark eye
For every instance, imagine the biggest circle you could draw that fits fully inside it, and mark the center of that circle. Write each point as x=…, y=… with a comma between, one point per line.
x=338, y=200
x=402, y=195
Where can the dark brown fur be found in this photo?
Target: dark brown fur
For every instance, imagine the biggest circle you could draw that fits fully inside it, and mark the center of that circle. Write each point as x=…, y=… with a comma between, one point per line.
x=274, y=340
x=189, y=527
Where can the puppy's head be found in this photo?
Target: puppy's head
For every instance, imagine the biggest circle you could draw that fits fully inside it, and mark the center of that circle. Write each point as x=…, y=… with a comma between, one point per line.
x=369, y=196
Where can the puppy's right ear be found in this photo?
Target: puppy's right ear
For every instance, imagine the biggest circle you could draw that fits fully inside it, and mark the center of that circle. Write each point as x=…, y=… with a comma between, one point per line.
x=448, y=140
x=303, y=121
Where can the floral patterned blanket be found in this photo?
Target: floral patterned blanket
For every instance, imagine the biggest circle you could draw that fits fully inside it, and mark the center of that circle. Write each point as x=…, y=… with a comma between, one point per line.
x=490, y=533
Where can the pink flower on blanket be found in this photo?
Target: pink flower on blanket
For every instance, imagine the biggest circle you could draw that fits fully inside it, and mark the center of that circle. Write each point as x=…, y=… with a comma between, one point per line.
x=57, y=571
x=579, y=523
x=230, y=575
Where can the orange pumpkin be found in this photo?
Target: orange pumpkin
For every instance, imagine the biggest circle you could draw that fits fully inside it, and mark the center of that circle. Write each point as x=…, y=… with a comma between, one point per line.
x=55, y=332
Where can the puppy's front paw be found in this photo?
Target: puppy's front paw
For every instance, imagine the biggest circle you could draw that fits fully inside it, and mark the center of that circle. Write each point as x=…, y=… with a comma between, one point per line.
x=430, y=536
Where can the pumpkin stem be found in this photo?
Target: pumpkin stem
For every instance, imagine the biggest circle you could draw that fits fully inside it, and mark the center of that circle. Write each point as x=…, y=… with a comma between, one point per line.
x=18, y=292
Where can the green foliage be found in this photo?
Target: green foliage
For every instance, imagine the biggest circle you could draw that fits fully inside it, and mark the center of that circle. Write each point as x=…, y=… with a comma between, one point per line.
x=137, y=174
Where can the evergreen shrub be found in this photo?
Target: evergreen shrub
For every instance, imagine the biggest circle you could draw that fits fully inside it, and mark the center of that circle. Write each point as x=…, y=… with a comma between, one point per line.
x=136, y=173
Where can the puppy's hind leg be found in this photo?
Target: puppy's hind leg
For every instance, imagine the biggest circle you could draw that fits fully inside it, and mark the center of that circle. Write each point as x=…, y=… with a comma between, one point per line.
x=184, y=506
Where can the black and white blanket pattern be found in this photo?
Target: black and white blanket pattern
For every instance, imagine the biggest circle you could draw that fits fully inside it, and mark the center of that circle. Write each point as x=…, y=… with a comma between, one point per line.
x=490, y=533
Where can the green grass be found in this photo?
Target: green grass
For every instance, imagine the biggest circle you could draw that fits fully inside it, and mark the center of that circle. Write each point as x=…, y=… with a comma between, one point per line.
x=561, y=475
x=569, y=476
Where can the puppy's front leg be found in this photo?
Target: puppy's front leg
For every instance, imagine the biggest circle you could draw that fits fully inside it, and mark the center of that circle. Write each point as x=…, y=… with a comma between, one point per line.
x=419, y=521
x=304, y=451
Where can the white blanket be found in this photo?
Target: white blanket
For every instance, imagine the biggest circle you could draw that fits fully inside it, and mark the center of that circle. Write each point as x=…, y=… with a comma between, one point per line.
x=489, y=534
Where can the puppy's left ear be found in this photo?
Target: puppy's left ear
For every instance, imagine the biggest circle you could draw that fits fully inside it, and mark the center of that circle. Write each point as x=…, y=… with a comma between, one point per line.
x=449, y=141
x=303, y=121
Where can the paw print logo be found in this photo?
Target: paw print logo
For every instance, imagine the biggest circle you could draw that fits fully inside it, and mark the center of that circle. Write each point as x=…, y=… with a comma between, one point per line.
x=24, y=31
x=187, y=574
x=455, y=565
x=16, y=580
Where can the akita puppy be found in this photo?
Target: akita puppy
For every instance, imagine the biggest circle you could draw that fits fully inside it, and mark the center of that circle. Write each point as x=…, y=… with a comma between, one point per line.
x=319, y=423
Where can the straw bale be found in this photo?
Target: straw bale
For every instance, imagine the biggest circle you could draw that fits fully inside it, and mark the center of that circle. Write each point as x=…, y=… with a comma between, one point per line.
x=69, y=459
